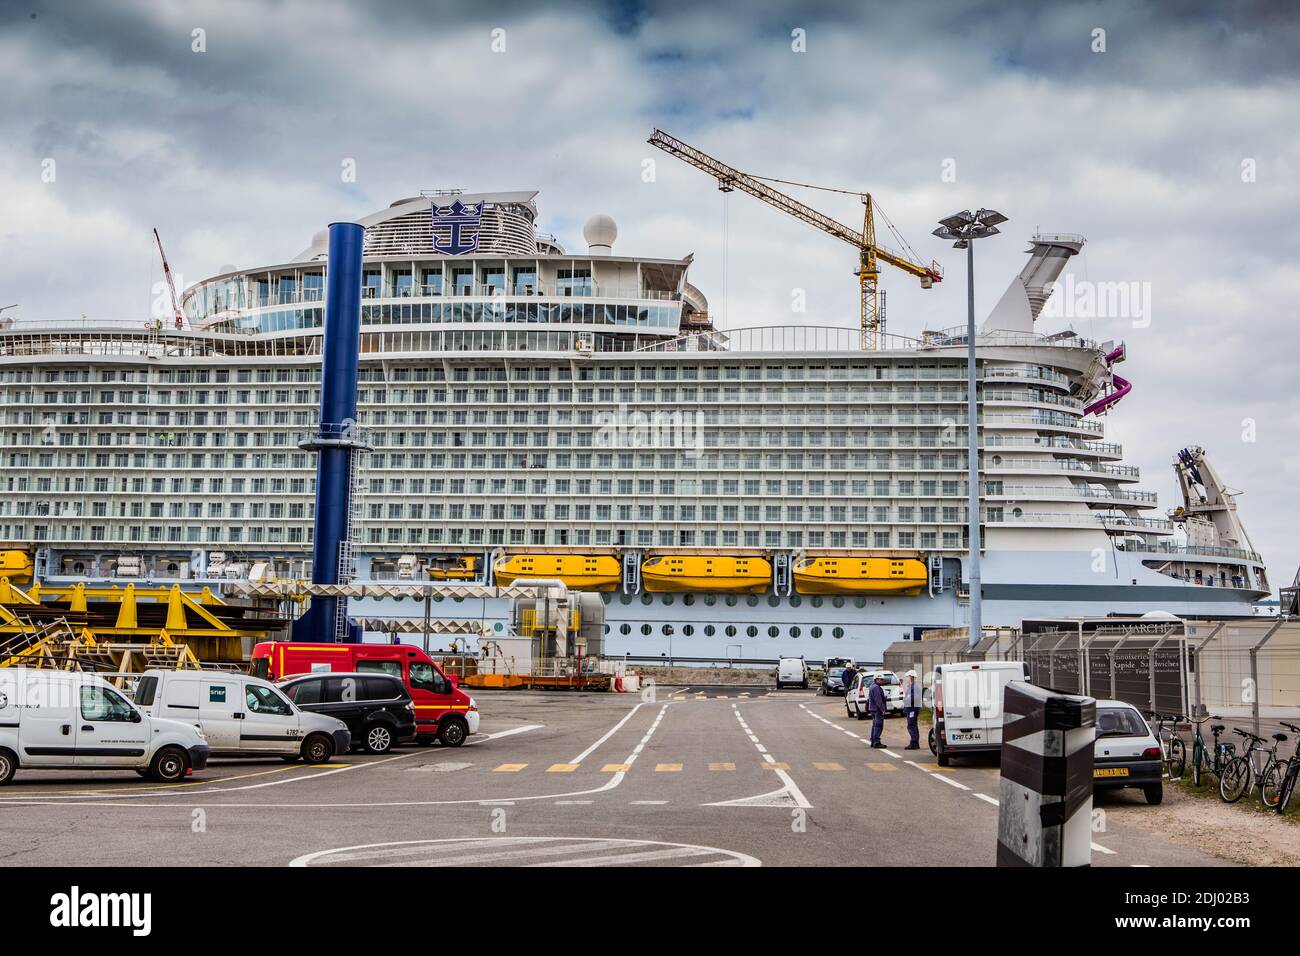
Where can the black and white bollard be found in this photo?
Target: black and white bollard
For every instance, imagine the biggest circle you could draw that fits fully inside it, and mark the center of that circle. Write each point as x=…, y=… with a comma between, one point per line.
x=1045, y=806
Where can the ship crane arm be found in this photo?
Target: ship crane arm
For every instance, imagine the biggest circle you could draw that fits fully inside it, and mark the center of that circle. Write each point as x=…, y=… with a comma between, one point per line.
x=870, y=253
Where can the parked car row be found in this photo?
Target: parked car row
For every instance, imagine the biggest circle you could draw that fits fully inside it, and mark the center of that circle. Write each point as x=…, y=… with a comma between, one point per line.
x=328, y=699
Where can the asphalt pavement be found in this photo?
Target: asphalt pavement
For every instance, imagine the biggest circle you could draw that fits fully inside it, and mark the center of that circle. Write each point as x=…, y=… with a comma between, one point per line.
x=717, y=776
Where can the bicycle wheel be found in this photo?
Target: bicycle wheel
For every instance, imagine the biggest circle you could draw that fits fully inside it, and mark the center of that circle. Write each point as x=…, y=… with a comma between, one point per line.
x=1270, y=788
x=1177, y=758
x=1288, y=785
x=1198, y=762
x=1234, y=780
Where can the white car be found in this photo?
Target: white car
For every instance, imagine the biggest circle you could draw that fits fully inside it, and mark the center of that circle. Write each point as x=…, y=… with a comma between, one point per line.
x=791, y=671
x=241, y=716
x=70, y=720
x=855, y=698
x=1126, y=753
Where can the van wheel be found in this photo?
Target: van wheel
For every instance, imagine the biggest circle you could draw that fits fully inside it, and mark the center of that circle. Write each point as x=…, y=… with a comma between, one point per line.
x=1154, y=793
x=168, y=765
x=930, y=740
x=453, y=732
x=317, y=749
x=8, y=764
x=379, y=739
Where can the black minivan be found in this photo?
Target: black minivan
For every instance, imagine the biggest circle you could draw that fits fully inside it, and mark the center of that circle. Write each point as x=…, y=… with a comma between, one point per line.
x=376, y=707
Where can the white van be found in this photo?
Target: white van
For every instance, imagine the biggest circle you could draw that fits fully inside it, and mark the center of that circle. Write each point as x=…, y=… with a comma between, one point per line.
x=69, y=720
x=242, y=716
x=968, y=706
x=791, y=670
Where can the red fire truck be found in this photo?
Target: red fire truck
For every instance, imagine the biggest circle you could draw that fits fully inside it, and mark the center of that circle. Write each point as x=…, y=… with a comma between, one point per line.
x=442, y=710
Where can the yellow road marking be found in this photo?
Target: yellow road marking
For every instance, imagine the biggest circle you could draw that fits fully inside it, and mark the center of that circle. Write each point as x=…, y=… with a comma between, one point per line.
x=562, y=768
x=776, y=766
x=830, y=765
x=722, y=766
x=322, y=766
x=943, y=769
x=509, y=768
x=616, y=768
x=667, y=767
x=882, y=767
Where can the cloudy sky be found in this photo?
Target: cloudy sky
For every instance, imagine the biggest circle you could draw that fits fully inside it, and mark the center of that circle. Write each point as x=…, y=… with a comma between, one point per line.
x=1170, y=140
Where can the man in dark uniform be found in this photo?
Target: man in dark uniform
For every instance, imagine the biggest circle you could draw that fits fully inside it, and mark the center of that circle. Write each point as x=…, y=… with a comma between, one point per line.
x=847, y=677
x=876, y=705
x=912, y=708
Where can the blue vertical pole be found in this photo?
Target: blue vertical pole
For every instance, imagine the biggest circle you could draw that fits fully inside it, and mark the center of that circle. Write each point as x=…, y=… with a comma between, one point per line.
x=337, y=437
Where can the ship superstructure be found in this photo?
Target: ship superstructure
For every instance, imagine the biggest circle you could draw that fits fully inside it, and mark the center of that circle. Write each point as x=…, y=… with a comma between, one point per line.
x=539, y=413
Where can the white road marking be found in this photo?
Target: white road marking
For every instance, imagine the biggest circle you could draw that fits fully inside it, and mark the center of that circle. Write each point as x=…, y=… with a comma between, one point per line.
x=1098, y=848
x=525, y=851
x=609, y=733
x=647, y=803
x=987, y=799
x=790, y=788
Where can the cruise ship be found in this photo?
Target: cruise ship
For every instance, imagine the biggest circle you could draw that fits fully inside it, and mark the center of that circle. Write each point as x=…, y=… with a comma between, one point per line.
x=537, y=413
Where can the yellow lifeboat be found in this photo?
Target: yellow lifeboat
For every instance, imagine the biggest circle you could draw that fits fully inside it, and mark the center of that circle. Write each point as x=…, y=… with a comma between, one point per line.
x=842, y=575
x=463, y=569
x=16, y=566
x=742, y=574
x=582, y=572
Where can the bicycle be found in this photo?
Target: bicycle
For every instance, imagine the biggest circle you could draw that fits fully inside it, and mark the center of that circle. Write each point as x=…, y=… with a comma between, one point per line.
x=1202, y=761
x=1239, y=775
x=1172, y=750
x=1270, y=787
x=1287, y=787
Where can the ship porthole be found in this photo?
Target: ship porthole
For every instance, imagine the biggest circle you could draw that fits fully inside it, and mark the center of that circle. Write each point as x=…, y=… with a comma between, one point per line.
x=625, y=598
x=625, y=628
x=817, y=602
x=795, y=632
x=688, y=629
x=751, y=631
x=646, y=629
x=838, y=602
x=795, y=600
x=816, y=632
x=731, y=600
x=752, y=600
x=710, y=600
x=688, y=599
x=773, y=631
x=708, y=630
x=861, y=602
x=647, y=598
x=773, y=600
x=668, y=599
x=837, y=632
x=731, y=630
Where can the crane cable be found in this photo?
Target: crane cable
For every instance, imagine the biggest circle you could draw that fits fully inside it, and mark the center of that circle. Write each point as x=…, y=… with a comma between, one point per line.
x=893, y=230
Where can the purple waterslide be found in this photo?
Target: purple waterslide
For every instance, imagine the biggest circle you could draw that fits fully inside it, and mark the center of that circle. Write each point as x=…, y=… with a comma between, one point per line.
x=1122, y=386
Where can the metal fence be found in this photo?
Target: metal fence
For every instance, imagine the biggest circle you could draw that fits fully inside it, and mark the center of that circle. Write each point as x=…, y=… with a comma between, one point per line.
x=1144, y=665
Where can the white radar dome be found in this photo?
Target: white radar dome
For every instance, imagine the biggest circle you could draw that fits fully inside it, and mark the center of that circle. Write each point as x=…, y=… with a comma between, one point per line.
x=600, y=232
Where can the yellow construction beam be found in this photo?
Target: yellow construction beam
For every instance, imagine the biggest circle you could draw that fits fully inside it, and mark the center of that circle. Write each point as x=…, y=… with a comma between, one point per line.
x=126, y=616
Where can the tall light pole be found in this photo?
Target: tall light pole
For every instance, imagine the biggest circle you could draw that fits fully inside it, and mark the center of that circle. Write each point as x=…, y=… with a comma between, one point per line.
x=964, y=228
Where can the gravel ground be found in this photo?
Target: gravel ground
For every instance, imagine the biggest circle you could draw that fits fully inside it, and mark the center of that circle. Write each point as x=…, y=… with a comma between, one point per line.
x=1241, y=833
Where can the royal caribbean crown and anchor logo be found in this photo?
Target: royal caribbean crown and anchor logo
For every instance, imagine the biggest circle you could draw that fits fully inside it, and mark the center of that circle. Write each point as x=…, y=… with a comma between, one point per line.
x=456, y=227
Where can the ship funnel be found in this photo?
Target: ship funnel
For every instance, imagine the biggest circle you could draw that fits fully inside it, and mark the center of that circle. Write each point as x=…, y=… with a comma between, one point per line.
x=1029, y=291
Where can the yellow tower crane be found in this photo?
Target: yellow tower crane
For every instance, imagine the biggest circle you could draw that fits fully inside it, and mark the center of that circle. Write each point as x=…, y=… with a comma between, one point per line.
x=870, y=255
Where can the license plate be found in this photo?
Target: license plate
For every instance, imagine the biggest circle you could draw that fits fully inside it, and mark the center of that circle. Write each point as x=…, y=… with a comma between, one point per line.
x=1110, y=772
x=975, y=735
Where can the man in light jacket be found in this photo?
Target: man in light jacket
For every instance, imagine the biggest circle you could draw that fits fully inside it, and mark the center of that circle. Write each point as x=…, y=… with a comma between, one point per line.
x=876, y=705
x=912, y=708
